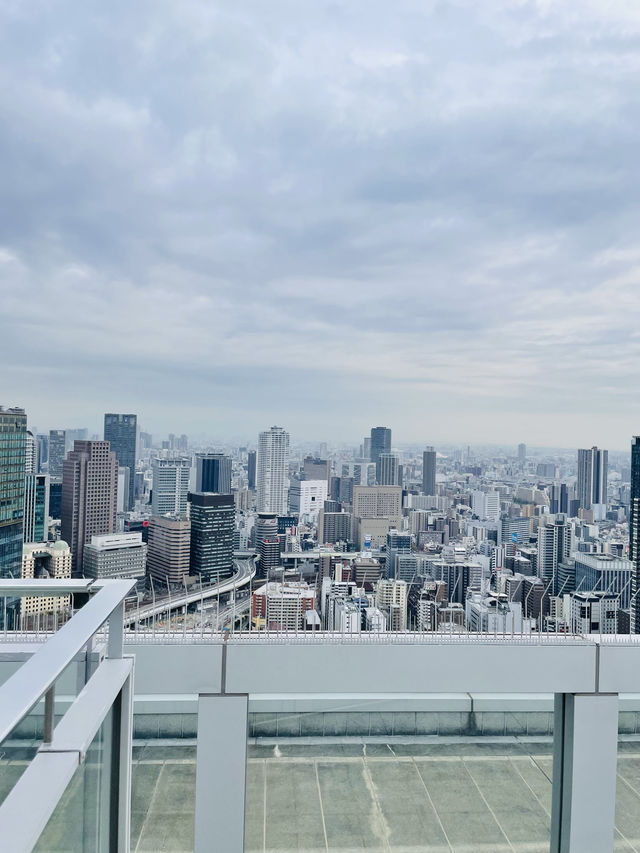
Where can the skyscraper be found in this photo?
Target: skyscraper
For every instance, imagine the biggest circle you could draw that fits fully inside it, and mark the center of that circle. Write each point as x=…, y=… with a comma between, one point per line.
x=380, y=442
x=522, y=453
x=169, y=547
x=251, y=469
x=31, y=465
x=272, y=469
x=13, y=436
x=634, y=534
x=57, y=442
x=592, y=477
x=213, y=473
x=212, y=527
x=36, y=507
x=388, y=470
x=554, y=548
x=170, y=485
x=121, y=431
x=89, y=496
x=429, y=471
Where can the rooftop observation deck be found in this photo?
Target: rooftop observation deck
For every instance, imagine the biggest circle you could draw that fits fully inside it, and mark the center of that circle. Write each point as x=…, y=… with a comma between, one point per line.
x=115, y=740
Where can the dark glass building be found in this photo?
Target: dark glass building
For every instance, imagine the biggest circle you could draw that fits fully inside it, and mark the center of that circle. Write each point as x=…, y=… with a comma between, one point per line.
x=13, y=441
x=120, y=431
x=429, y=471
x=380, y=442
x=251, y=469
x=213, y=473
x=36, y=508
x=212, y=528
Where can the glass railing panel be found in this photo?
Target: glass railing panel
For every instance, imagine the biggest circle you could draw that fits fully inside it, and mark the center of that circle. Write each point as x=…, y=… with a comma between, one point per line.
x=81, y=822
x=627, y=833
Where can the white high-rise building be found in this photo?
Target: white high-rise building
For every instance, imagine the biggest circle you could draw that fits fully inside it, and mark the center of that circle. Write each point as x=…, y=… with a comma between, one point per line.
x=170, y=485
x=272, y=481
x=307, y=497
x=391, y=599
x=486, y=505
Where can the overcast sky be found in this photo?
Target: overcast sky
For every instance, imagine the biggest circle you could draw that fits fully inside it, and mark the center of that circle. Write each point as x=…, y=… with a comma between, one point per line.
x=325, y=215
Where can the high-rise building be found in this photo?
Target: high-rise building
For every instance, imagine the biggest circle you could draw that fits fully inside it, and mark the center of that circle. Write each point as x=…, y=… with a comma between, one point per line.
x=89, y=496
x=36, y=508
x=281, y=606
x=559, y=498
x=57, y=450
x=251, y=469
x=486, y=505
x=272, y=470
x=388, y=470
x=334, y=527
x=169, y=549
x=116, y=555
x=391, y=599
x=554, y=548
x=212, y=527
x=429, y=471
x=592, y=477
x=170, y=485
x=378, y=502
x=31, y=464
x=380, y=442
x=522, y=453
x=121, y=432
x=213, y=473
x=123, y=489
x=13, y=437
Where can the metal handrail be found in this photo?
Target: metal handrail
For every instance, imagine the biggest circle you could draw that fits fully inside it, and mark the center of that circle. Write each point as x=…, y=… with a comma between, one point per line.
x=24, y=689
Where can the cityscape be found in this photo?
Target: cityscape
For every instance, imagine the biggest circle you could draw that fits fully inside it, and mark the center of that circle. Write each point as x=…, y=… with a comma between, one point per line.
x=295, y=537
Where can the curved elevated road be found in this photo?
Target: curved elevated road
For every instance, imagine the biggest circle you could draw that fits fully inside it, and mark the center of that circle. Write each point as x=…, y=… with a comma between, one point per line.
x=246, y=571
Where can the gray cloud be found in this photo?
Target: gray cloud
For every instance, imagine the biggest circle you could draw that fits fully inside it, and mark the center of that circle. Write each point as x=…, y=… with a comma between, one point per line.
x=323, y=215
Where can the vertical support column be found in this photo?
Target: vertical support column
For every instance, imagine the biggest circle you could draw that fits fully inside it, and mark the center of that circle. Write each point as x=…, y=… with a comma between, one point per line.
x=125, y=741
x=584, y=772
x=221, y=770
x=115, y=644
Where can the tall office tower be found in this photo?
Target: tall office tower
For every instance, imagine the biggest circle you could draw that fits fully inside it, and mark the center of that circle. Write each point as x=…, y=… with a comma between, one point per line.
x=554, y=548
x=13, y=437
x=272, y=470
x=307, y=497
x=170, y=485
x=378, y=502
x=212, y=527
x=116, y=555
x=429, y=471
x=366, y=448
x=267, y=541
x=43, y=451
x=31, y=465
x=121, y=432
x=36, y=507
x=89, y=496
x=44, y=560
x=169, y=549
x=73, y=435
x=315, y=468
x=123, y=489
x=251, y=469
x=388, y=470
x=380, y=442
x=57, y=450
x=559, y=498
x=486, y=505
x=391, y=598
x=634, y=534
x=213, y=473
x=592, y=477
x=397, y=543
x=522, y=453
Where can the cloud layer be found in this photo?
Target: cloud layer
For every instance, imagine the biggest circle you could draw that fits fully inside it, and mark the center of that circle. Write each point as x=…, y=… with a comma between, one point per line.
x=323, y=215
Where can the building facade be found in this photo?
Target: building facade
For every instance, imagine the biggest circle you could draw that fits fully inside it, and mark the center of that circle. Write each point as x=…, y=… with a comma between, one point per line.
x=116, y=556
x=272, y=480
x=429, y=471
x=89, y=496
x=380, y=442
x=121, y=432
x=169, y=549
x=213, y=473
x=36, y=508
x=212, y=528
x=13, y=437
x=592, y=477
x=170, y=485
x=57, y=451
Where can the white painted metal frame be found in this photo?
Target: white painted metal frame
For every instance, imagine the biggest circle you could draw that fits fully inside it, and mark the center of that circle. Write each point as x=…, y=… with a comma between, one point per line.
x=28, y=807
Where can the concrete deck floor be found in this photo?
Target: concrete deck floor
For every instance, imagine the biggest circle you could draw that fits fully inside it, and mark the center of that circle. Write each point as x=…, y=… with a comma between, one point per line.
x=456, y=796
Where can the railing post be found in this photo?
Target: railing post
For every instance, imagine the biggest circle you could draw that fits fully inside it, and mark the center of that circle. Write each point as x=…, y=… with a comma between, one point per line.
x=585, y=742
x=115, y=645
x=221, y=764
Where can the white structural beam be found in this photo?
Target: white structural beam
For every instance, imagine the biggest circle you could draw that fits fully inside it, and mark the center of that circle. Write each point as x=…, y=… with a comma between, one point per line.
x=221, y=773
x=584, y=773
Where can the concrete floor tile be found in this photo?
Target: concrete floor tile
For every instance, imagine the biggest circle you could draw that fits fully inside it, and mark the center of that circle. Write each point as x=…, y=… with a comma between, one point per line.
x=167, y=833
